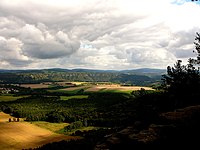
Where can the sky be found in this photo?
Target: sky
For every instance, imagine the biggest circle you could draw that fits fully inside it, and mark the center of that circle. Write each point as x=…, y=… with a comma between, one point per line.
x=96, y=34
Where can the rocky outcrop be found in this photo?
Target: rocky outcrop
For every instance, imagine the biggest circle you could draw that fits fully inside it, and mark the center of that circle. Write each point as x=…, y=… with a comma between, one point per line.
x=174, y=129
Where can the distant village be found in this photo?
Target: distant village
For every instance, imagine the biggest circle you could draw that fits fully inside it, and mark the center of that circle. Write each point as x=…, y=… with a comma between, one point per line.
x=4, y=90
x=8, y=89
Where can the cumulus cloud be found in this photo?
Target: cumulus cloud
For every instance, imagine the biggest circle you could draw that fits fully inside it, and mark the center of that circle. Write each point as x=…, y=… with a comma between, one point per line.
x=11, y=52
x=99, y=34
x=46, y=45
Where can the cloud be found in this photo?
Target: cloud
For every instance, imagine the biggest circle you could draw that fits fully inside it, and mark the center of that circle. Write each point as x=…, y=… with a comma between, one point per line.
x=99, y=34
x=181, y=44
x=11, y=52
x=46, y=45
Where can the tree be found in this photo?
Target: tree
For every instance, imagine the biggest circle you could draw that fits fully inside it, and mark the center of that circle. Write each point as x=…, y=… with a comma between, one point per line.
x=183, y=81
x=55, y=116
x=174, y=77
x=197, y=50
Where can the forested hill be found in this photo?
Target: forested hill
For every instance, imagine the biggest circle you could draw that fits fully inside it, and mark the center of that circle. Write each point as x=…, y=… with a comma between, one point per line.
x=135, y=77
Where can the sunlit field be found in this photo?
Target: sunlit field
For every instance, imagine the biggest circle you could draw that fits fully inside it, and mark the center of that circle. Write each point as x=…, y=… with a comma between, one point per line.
x=73, y=97
x=101, y=88
x=54, y=127
x=24, y=135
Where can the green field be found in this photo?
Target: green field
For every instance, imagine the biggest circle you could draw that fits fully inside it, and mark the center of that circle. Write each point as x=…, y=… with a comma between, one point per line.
x=54, y=127
x=9, y=97
x=73, y=97
x=59, y=127
x=114, y=91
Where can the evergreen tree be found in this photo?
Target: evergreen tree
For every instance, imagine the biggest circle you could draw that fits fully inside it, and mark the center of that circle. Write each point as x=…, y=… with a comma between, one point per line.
x=183, y=81
x=197, y=50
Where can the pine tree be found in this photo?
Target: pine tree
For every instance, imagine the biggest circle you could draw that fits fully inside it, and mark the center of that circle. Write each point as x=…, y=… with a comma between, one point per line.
x=183, y=81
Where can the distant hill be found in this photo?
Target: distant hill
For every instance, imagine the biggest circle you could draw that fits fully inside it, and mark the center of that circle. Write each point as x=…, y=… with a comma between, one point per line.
x=145, y=71
x=143, y=76
x=136, y=71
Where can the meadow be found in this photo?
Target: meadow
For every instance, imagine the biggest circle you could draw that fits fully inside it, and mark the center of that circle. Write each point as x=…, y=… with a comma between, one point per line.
x=10, y=97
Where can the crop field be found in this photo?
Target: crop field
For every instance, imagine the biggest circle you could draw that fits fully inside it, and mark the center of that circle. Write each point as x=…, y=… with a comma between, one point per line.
x=103, y=88
x=116, y=87
x=24, y=135
x=35, y=86
x=51, y=84
x=74, y=87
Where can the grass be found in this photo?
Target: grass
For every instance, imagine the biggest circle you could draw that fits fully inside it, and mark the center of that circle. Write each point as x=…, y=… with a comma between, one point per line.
x=59, y=127
x=73, y=97
x=72, y=92
x=62, y=131
x=54, y=127
x=116, y=91
x=10, y=97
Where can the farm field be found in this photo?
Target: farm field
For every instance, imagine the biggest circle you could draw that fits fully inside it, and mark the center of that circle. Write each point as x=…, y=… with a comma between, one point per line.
x=50, y=84
x=24, y=135
x=87, y=86
x=104, y=88
x=116, y=87
x=35, y=86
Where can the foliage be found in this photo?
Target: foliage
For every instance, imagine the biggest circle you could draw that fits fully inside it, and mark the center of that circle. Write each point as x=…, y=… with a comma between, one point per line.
x=74, y=125
x=55, y=127
x=97, y=109
x=183, y=81
x=140, y=93
x=55, y=116
x=39, y=77
x=197, y=50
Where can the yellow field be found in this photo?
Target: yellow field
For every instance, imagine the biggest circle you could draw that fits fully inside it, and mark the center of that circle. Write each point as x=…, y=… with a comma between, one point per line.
x=117, y=87
x=89, y=87
x=96, y=88
x=24, y=135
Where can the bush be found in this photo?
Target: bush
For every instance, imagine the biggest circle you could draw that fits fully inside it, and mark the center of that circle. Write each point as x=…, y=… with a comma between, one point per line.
x=55, y=117
x=74, y=125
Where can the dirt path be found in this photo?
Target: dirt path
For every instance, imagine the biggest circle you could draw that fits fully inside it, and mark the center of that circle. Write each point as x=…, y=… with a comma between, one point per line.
x=24, y=135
